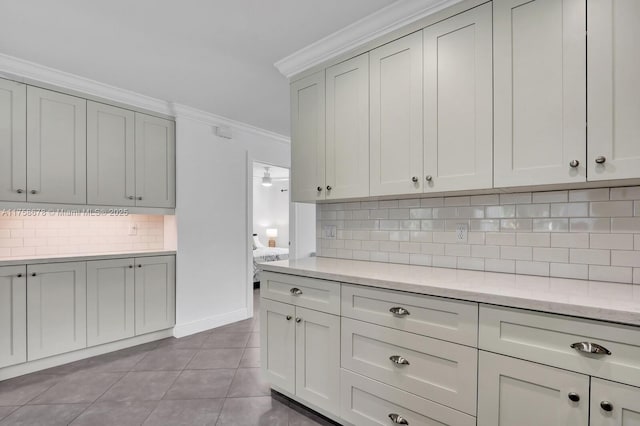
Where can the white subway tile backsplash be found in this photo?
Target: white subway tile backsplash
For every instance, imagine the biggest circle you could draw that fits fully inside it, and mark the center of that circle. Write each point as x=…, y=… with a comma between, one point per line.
x=582, y=234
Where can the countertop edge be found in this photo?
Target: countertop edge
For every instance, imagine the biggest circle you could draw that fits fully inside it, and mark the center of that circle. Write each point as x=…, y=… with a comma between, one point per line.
x=85, y=257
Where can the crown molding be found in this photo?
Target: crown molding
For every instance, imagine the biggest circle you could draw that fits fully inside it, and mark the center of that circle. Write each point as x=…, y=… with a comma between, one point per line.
x=186, y=112
x=33, y=73
x=384, y=21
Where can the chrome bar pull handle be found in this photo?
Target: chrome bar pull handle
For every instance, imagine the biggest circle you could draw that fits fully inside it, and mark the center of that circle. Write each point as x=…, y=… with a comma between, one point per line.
x=399, y=311
x=590, y=348
x=398, y=419
x=295, y=291
x=399, y=360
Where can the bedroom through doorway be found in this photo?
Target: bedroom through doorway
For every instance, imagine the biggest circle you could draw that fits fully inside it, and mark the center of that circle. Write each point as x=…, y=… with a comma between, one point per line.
x=271, y=208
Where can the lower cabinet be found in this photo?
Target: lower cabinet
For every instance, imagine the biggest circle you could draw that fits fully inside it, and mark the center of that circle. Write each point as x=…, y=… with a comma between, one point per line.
x=301, y=353
x=614, y=404
x=155, y=293
x=110, y=300
x=13, y=315
x=56, y=309
x=514, y=392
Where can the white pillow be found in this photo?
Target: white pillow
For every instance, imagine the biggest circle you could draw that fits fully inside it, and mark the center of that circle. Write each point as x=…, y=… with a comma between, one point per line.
x=256, y=241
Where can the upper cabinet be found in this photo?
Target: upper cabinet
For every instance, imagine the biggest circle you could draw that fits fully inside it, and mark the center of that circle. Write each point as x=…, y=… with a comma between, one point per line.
x=347, y=129
x=458, y=100
x=155, y=162
x=56, y=147
x=614, y=89
x=308, y=136
x=13, y=141
x=396, y=117
x=540, y=91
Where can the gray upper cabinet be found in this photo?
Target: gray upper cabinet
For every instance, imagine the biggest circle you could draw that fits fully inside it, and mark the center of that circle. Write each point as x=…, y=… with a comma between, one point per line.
x=13, y=141
x=13, y=315
x=155, y=162
x=56, y=147
x=110, y=155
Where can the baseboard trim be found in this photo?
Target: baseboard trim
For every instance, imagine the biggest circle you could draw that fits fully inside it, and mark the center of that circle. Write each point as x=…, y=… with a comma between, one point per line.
x=187, y=329
x=56, y=360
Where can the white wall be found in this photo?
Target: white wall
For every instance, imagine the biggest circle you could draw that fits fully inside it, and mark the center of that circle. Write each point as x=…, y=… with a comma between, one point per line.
x=213, y=179
x=271, y=210
x=303, y=243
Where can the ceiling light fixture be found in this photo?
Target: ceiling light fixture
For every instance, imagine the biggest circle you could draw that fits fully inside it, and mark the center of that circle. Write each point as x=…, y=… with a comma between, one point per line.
x=266, y=179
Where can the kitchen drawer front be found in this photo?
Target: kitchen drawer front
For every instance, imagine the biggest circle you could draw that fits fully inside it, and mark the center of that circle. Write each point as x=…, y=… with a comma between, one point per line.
x=320, y=295
x=451, y=320
x=366, y=402
x=437, y=370
x=547, y=339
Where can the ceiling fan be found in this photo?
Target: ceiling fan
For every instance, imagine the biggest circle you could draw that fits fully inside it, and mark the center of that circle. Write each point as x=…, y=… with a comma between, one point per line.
x=267, y=180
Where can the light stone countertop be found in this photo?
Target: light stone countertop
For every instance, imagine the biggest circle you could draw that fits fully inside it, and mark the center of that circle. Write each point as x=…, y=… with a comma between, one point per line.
x=588, y=299
x=35, y=260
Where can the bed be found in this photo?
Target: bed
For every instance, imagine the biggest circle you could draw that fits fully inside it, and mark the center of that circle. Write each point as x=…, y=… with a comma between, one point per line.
x=262, y=254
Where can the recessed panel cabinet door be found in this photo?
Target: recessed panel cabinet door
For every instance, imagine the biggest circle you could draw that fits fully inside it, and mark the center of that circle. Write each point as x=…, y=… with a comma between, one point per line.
x=110, y=155
x=56, y=147
x=539, y=92
x=614, y=404
x=318, y=358
x=308, y=139
x=13, y=315
x=396, y=117
x=155, y=162
x=155, y=293
x=613, y=42
x=110, y=300
x=458, y=102
x=13, y=141
x=278, y=344
x=56, y=308
x=513, y=392
x=347, y=147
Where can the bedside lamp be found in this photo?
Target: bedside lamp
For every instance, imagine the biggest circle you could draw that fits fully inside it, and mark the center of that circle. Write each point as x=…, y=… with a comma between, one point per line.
x=272, y=234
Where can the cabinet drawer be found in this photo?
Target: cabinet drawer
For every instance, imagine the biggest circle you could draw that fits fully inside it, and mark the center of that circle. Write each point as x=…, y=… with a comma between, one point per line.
x=366, y=402
x=547, y=339
x=445, y=319
x=437, y=370
x=315, y=294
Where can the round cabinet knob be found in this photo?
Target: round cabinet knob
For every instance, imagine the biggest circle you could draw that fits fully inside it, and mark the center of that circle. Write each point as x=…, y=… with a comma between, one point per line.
x=414, y=179
x=20, y=191
x=298, y=319
x=319, y=189
x=131, y=197
x=601, y=159
x=429, y=178
x=139, y=266
x=574, y=163
x=328, y=187
x=33, y=191
x=139, y=198
x=130, y=266
x=289, y=317
x=574, y=397
x=33, y=274
x=606, y=406
x=19, y=275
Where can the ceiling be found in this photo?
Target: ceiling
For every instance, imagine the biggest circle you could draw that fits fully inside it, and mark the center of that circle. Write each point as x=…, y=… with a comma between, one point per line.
x=214, y=55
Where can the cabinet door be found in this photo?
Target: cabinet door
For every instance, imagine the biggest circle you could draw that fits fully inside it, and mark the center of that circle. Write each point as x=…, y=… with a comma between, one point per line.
x=396, y=116
x=13, y=141
x=347, y=156
x=56, y=309
x=13, y=315
x=614, y=89
x=623, y=404
x=110, y=300
x=155, y=293
x=458, y=102
x=278, y=345
x=56, y=147
x=308, y=139
x=110, y=155
x=318, y=359
x=513, y=392
x=155, y=162
x=540, y=91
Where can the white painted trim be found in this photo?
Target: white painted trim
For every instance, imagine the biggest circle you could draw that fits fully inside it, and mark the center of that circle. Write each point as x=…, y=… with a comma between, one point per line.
x=183, y=111
x=56, y=360
x=378, y=24
x=187, y=329
x=32, y=73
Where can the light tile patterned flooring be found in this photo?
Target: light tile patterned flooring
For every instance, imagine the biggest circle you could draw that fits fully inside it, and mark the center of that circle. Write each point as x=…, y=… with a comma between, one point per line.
x=211, y=378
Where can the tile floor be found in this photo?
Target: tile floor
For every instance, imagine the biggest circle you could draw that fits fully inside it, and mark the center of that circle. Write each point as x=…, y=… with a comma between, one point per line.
x=211, y=378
